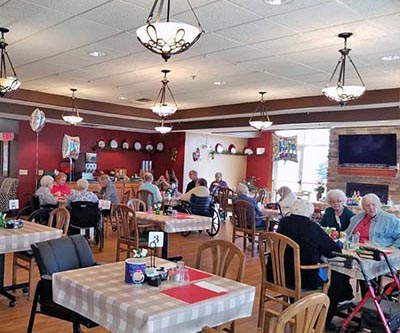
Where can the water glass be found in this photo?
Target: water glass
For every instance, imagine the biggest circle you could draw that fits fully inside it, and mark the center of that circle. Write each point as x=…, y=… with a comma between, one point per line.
x=355, y=239
x=185, y=277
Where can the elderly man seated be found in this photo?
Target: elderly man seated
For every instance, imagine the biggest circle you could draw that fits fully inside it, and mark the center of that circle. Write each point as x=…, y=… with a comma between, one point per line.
x=200, y=190
x=81, y=193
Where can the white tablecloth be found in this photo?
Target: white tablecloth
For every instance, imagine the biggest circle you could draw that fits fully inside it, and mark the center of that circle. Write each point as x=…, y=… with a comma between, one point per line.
x=100, y=294
x=371, y=267
x=170, y=224
x=14, y=240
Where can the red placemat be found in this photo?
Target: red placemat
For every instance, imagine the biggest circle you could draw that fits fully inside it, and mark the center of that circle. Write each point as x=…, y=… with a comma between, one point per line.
x=191, y=294
x=182, y=216
x=197, y=275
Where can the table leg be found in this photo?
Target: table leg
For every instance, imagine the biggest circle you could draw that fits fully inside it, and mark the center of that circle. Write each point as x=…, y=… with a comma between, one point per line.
x=164, y=252
x=2, y=288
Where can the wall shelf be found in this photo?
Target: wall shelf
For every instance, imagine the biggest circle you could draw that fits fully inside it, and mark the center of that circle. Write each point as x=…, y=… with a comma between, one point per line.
x=225, y=152
x=368, y=172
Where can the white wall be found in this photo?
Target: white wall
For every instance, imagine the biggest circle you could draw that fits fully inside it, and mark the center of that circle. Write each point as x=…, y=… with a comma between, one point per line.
x=233, y=168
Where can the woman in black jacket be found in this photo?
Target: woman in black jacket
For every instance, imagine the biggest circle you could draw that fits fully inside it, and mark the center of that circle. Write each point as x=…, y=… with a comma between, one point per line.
x=313, y=243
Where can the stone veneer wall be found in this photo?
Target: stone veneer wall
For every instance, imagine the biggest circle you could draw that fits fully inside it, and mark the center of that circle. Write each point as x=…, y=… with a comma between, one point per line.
x=339, y=181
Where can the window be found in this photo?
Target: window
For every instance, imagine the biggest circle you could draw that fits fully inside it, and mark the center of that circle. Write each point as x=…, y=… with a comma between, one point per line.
x=311, y=168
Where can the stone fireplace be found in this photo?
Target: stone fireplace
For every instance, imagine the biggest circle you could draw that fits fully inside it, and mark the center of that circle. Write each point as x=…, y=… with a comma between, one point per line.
x=384, y=182
x=382, y=191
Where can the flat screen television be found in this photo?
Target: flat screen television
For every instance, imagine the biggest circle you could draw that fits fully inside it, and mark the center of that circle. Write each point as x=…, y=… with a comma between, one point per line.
x=379, y=150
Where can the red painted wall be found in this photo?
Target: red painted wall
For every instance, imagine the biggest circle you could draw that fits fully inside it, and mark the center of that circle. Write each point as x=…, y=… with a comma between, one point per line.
x=50, y=154
x=261, y=166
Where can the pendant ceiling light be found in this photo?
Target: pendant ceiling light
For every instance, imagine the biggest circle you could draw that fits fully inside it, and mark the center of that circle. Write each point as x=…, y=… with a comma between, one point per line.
x=161, y=106
x=163, y=128
x=8, y=82
x=73, y=116
x=260, y=119
x=339, y=91
x=168, y=38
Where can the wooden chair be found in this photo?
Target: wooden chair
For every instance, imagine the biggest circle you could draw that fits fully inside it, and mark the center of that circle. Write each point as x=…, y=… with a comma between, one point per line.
x=272, y=246
x=125, y=197
x=307, y=315
x=243, y=227
x=261, y=195
x=129, y=235
x=224, y=198
x=59, y=218
x=227, y=261
x=137, y=205
x=147, y=197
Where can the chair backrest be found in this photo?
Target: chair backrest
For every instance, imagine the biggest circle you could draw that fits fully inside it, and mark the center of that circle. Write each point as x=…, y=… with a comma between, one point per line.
x=147, y=197
x=126, y=196
x=224, y=194
x=137, y=205
x=200, y=205
x=127, y=229
x=35, y=202
x=261, y=195
x=226, y=258
x=62, y=254
x=307, y=315
x=9, y=186
x=243, y=214
x=273, y=247
x=59, y=218
x=84, y=214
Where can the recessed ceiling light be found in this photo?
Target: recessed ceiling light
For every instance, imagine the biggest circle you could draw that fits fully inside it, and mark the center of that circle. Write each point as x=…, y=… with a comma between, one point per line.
x=392, y=57
x=122, y=98
x=219, y=83
x=277, y=2
x=97, y=53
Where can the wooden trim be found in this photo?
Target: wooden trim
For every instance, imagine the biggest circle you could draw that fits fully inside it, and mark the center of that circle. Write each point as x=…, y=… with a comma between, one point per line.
x=372, y=172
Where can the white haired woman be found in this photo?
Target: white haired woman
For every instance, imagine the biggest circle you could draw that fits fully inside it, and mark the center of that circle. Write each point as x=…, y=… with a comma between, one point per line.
x=337, y=215
x=44, y=192
x=287, y=199
x=313, y=243
x=82, y=194
x=375, y=225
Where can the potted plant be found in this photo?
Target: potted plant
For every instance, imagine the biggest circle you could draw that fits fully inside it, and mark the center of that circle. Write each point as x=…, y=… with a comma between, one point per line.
x=320, y=189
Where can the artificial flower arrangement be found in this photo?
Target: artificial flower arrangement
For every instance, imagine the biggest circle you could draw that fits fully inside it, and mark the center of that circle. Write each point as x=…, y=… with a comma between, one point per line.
x=139, y=253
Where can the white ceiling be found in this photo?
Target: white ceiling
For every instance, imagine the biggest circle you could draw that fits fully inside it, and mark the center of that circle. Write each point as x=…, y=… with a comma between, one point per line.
x=288, y=50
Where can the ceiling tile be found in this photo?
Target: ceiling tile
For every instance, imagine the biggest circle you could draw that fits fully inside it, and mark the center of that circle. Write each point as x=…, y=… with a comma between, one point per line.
x=238, y=54
x=62, y=6
x=374, y=8
x=118, y=14
x=220, y=15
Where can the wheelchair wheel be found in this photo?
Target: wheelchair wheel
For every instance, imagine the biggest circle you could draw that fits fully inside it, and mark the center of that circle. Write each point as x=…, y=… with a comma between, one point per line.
x=215, y=223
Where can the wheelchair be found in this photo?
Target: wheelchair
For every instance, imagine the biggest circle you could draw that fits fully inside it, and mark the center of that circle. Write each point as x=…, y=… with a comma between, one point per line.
x=204, y=206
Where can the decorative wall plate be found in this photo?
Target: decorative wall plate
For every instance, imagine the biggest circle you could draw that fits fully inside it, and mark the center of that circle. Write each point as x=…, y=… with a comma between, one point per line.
x=137, y=146
x=113, y=144
x=248, y=151
x=160, y=146
x=125, y=144
x=232, y=149
x=149, y=147
x=101, y=143
x=218, y=148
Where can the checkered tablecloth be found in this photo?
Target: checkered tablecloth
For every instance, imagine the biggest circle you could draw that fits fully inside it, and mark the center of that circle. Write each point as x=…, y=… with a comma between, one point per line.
x=14, y=240
x=100, y=294
x=372, y=268
x=170, y=224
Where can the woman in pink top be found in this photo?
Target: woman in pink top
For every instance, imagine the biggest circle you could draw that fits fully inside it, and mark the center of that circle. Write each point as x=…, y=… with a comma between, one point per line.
x=60, y=188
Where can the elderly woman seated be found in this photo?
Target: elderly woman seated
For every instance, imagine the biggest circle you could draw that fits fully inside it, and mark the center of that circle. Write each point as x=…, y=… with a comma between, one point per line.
x=82, y=194
x=375, y=225
x=313, y=243
x=337, y=215
x=287, y=199
x=44, y=192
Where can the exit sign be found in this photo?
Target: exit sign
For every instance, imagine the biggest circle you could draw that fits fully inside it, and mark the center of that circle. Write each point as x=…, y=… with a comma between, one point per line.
x=6, y=136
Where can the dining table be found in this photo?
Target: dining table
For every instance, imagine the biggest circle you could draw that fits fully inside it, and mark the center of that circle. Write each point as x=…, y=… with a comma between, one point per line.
x=21, y=239
x=101, y=294
x=182, y=222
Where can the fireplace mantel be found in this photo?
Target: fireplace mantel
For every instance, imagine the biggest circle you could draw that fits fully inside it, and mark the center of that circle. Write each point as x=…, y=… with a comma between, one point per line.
x=368, y=172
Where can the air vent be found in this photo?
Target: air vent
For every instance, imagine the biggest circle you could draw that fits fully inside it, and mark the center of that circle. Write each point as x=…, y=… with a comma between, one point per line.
x=143, y=100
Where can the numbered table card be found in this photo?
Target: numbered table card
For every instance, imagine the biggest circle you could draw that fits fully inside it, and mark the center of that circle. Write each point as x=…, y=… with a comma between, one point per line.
x=156, y=239
x=13, y=204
